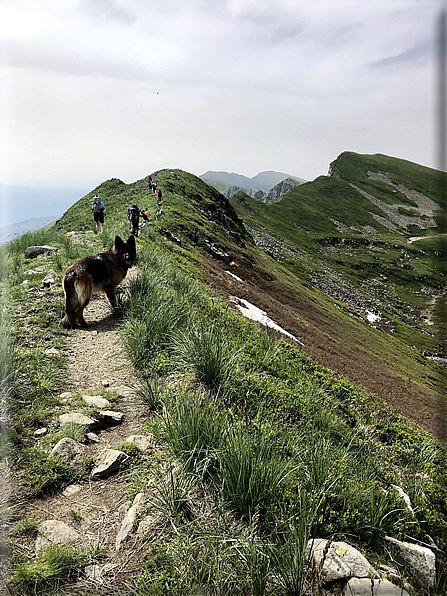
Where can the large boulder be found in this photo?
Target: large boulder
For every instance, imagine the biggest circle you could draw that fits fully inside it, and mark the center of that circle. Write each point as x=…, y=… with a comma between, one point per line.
x=340, y=560
x=368, y=587
x=34, y=251
x=419, y=562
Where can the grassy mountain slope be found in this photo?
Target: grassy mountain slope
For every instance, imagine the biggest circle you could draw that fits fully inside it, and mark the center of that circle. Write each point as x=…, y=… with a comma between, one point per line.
x=270, y=446
x=345, y=245
x=204, y=223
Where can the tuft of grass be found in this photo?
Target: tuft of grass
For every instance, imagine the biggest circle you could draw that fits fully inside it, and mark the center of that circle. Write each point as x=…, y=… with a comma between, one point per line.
x=210, y=353
x=151, y=393
x=250, y=474
x=28, y=525
x=45, y=473
x=194, y=428
x=56, y=563
x=171, y=494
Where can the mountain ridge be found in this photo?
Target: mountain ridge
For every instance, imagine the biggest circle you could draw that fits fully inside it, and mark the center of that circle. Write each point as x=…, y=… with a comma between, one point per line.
x=263, y=180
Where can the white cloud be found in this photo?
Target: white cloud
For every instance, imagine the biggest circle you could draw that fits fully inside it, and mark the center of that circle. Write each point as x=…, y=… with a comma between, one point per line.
x=95, y=89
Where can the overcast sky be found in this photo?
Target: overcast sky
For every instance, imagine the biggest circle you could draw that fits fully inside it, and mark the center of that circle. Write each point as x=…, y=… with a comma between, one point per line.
x=95, y=89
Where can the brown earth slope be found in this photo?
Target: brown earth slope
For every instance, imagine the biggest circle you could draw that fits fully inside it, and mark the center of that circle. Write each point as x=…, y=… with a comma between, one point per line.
x=324, y=338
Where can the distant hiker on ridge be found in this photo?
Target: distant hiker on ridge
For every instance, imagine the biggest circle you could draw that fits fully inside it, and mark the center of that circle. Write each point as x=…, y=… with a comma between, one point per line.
x=149, y=182
x=144, y=214
x=98, y=213
x=154, y=186
x=159, y=196
x=133, y=215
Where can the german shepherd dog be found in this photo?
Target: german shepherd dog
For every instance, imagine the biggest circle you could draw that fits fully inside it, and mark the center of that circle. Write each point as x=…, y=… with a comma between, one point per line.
x=99, y=273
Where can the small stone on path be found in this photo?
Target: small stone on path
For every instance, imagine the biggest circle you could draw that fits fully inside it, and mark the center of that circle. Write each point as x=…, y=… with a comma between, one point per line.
x=97, y=401
x=129, y=521
x=54, y=532
x=141, y=442
x=105, y=383
x=69, y=452
x=111, y=418
x=92, y=438
x=71, y=490
x=80, y=419
x=107, y=462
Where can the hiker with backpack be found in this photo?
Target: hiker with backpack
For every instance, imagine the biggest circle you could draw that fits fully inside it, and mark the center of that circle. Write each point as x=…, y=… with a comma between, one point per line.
x=153, y=186
x=98, y=213
x=149, y=182
x=144, y=214
x=159, y=196
x=133, y=215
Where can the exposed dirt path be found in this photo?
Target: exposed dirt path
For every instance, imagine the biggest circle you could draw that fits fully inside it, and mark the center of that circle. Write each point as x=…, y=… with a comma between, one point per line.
x=95, y=509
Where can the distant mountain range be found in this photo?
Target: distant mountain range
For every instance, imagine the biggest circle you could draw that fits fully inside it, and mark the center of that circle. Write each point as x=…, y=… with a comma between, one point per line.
x=15, y=230
x=21, y=203
x=262, y=181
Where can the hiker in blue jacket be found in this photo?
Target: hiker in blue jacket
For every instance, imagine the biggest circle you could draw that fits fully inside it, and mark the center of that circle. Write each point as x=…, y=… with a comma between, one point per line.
x=98, y=213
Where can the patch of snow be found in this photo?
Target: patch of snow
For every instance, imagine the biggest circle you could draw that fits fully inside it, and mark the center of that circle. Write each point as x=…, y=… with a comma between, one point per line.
x=372, y=318
x=235, y=276
x=252, y=312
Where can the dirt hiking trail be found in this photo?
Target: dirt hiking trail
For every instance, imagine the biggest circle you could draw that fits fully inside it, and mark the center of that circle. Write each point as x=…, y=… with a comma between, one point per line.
x=95, y=509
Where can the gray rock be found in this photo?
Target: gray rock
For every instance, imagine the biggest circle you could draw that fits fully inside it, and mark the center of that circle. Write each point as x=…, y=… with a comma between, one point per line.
x=108, y=462
x=34, y=251
x=110, y=418
x=342, y=561
x=141, y=442
x=69, y=452
x=64, y=397
x=25, y=282
x=129, y=521
x=52, y=352
x=369, y=587
x=71, y=490
x=47, y=281
x=31, y=272
x=92, y=438
x=78, y=418
x=95, y=572
x=148, y=525
x=419, y=562
x=54, y=532
x=40, y=432
x=97, y=401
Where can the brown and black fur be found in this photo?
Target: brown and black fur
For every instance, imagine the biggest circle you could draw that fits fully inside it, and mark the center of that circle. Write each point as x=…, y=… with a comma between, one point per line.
x=99, y=273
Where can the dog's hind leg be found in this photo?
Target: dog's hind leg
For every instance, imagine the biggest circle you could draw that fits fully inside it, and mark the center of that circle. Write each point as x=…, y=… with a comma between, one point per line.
x=84, y=290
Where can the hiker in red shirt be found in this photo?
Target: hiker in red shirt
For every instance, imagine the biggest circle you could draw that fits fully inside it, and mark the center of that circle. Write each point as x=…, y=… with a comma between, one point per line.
x=159, y=194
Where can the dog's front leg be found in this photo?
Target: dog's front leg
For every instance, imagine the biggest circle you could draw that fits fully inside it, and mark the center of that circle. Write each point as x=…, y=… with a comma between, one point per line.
x=110, y=293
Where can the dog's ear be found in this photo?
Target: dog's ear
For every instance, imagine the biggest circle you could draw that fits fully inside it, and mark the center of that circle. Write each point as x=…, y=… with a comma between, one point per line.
x=118, y=243
x=131, y=243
